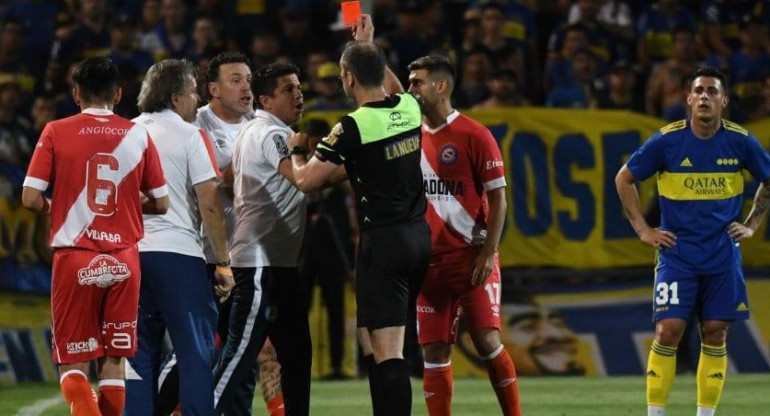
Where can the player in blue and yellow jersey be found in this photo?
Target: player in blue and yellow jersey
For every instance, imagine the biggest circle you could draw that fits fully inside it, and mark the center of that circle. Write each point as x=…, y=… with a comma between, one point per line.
x=699, y=163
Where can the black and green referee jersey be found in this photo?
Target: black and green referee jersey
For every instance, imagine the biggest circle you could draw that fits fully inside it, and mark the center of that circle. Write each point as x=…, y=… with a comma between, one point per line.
x=379, y=144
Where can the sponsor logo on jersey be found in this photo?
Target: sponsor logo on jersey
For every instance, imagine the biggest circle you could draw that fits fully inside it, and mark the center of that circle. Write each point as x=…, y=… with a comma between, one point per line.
x=436, y=186
x=119, y=326
x=103, y=236
x=491, y=164
x=402, y=147
x=103, y=271
x=686, y=163
x=742, y=307
x=727, y=161
x=707, y=185
x=102, y=130
x=426, y=309
x=79, y=347
x=448, y=154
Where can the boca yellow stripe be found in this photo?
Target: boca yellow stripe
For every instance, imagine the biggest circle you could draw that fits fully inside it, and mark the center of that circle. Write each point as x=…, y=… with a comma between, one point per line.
x=700, y=186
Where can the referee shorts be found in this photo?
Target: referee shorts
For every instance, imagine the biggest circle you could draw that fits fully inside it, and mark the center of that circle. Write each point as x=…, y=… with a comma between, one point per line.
x=391, y=265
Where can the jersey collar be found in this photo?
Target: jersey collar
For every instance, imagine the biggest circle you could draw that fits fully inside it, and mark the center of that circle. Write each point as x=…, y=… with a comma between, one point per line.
x=449, y=119
x=170, y=114
x=97, y=111
x=274, y=119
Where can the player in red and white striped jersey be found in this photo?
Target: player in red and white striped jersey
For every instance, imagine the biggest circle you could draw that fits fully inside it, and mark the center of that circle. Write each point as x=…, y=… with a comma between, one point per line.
x=99, y=165
x=465, y=188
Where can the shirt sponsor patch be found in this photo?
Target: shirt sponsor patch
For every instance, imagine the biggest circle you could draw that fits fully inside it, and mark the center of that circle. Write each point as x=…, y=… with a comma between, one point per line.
x=103, y=271
x=280, y=145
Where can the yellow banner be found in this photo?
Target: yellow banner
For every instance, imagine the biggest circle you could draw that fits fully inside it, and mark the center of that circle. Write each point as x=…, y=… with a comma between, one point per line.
x=563, y=210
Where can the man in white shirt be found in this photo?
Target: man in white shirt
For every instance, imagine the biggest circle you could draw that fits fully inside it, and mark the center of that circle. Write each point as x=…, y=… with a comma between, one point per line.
x=176, y=291
x=270, y=220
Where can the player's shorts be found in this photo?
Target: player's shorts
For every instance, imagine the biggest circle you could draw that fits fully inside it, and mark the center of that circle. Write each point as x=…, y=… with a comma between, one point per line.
x=391, y=265
x=447, y=293
x=720, y=296
x=94, y=303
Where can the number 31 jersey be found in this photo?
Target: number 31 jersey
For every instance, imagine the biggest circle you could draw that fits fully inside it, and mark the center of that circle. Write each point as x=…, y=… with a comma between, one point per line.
x=98, y=163
x=460, y=163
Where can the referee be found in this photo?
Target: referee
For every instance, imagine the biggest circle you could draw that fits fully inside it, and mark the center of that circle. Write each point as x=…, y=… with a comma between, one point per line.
x=379, y=145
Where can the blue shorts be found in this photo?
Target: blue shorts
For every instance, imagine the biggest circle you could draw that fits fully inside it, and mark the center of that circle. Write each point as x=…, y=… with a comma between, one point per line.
x=720, y=296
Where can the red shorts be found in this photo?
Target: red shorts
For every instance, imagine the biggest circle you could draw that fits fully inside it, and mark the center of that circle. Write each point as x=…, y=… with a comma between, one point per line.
x=447, y=293
x=94, y=303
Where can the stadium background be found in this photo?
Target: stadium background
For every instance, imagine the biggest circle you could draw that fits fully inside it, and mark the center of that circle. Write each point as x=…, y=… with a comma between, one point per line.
x=567, y=251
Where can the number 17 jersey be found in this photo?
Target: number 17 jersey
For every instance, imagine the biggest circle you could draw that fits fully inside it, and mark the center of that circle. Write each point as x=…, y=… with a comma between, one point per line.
x=98, y=163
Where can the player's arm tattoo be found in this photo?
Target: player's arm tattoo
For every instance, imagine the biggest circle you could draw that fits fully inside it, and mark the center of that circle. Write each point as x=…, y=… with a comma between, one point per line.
x=760, y=206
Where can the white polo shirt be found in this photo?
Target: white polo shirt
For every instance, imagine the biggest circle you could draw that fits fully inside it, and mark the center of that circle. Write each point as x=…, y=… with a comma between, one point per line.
x=222, y=135
x=187, y=161
x=269, y=210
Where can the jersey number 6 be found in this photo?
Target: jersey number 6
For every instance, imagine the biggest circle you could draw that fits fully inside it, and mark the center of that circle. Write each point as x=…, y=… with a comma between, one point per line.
x=101, y=172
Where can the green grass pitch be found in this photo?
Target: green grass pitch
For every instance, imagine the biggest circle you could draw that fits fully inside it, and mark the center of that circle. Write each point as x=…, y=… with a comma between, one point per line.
x=744, y=395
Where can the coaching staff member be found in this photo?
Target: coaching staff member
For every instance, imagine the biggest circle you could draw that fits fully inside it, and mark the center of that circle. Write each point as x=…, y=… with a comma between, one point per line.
x=379, y=145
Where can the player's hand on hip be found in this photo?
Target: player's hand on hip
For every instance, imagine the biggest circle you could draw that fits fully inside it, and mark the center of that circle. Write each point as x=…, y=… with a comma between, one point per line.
x=364, y=29
x=482, y=268
x=224, y=282
x=738, y=231
x=658, y=238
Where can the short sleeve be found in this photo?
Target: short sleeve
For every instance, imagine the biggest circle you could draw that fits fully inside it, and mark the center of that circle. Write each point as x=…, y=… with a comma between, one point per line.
x=757, y=161
x=153, y=179
x=201, y=163
x=340, y=143
x=648, y=159
x=487, y=160
x=223, y=151
x=40, y=169
x=274, y=147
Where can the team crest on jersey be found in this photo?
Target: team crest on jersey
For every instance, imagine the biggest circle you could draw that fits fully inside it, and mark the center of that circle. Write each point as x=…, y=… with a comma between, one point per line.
x=103, y=271
x=448, y=154
x=280, y=145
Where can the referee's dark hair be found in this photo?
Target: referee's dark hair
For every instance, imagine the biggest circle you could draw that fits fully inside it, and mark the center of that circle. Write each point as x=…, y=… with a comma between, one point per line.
x=711, y=72
x=366, y=62
x=437, y=66
x=96, y=79
x=265, y=80
x=224, y=58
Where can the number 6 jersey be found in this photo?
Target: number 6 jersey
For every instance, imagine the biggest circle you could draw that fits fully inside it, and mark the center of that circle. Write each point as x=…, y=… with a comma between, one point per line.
x=98, y=162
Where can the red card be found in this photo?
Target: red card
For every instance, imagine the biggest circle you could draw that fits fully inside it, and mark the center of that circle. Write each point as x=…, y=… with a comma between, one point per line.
x=351, y=10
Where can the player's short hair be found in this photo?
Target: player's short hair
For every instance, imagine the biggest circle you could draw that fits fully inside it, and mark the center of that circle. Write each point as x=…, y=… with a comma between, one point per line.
x=366, y=62
x=711, y=72
x=436, y=65
x=224, y=58
x=162, y=81
x=96, y=79
x=265, y=80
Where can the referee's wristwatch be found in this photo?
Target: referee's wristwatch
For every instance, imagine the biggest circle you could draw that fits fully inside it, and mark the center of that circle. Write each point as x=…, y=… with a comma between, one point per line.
x=298, y=150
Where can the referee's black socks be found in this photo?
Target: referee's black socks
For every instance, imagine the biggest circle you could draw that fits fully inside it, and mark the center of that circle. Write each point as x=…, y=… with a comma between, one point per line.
x=391, y=388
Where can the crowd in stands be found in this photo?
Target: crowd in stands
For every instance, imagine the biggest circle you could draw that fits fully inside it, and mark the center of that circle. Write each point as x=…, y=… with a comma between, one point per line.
x=611, y=54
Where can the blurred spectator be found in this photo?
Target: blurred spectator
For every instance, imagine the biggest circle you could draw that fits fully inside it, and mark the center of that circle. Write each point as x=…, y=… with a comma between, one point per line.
x=678, y=110
x=264, y=49
x=328, y=90
x=748, y=66
x=130, y=82
x=13, y=65
x=90, y=36
x=471, y=37
x=664, y=87
x=123, y=46
x=150, y=18
x=559, y=67
x=721, y=21
x=601, y=42
x=206, y=38
x=297, y=38
x=43, y=111
x=406, y=43
x=171, y=38
x=581, y=92
x=614, y=15
x=250, y=19
x=476, y=68
x=436, y=32
x=620, y=92
x=310, y=73
x=505, y=92
x=39, y=18
x=656, y=27
x=15, y=143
